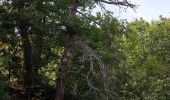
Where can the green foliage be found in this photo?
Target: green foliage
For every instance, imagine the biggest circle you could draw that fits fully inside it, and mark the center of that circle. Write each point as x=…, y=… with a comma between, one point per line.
x=136, y=54
x=4, y=88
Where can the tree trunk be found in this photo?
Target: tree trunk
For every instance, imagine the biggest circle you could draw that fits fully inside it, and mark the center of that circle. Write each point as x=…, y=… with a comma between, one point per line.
x=27, y=68
x=26, y=45
x=66, y=56
x=63, y=68
x=35, y=62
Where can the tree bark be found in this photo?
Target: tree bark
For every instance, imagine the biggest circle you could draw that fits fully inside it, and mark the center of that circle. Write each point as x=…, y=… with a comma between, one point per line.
x=63, y=68
x=27, y=68
x=66, y=56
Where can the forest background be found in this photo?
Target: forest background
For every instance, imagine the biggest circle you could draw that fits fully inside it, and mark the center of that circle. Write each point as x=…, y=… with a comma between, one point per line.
x=58, y=49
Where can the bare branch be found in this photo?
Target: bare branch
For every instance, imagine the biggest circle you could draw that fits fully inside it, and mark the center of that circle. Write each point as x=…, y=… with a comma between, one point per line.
x=119, y=3
x=89, y=54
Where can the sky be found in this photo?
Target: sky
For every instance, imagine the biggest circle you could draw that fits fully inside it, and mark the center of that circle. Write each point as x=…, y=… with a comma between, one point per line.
x=147, y=9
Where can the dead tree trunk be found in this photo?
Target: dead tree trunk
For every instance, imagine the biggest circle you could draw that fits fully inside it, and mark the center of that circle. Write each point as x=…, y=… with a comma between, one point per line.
x=66, y=56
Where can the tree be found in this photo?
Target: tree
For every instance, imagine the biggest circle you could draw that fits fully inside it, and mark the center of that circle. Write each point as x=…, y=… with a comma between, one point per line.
x=69, y=43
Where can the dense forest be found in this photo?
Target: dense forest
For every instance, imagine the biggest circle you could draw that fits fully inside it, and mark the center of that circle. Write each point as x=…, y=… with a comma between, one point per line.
x=59, y=50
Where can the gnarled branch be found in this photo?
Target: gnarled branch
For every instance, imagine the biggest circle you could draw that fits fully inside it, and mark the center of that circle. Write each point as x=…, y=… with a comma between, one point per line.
x=119, y=3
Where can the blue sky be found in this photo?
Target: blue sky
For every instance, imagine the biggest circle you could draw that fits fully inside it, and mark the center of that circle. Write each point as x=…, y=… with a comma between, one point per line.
x=147, y=9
